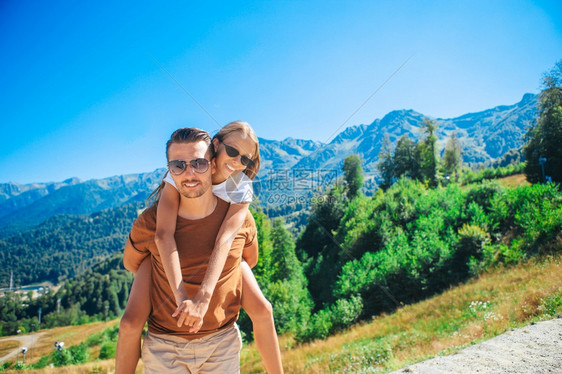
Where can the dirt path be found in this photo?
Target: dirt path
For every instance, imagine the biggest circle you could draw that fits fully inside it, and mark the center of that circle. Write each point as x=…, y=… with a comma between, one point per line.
x=535, y=348
x=24, y=340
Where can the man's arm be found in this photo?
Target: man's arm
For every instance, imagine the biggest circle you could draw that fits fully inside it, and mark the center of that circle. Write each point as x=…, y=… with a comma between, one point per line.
x=135, y=249
x=251, y=252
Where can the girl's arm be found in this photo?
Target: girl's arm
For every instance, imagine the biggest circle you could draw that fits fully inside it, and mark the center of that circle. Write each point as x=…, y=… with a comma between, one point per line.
x=250, y=254
x=166, y=217
x=233, y=221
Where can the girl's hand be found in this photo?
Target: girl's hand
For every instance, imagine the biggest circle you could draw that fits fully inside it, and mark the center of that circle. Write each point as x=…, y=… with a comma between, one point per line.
x=191, y=312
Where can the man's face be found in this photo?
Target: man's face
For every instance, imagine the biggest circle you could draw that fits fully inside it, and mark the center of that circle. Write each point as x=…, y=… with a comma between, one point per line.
x=191, y=184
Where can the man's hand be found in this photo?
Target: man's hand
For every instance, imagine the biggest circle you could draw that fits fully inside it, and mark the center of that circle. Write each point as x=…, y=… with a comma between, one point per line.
x=191, y=312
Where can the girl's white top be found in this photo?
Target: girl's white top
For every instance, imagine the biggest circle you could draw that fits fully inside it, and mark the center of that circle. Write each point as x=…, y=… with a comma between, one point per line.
x=235, y=189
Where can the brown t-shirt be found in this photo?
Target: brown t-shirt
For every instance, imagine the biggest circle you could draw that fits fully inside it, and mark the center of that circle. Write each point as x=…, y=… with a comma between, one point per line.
x=195, y=240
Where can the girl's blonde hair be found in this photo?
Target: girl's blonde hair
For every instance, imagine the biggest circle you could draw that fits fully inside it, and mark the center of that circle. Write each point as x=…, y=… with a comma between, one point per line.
x=246, y=129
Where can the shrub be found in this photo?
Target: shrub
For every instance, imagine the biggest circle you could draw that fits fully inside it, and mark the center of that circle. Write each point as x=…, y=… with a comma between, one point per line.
x=491, y=173
x=482, y=194
x=318, y=326
x=471, y=241
x=291, y=303
x=62, y=357
x=500, y=253
x=77, y=354
x=5, y=366
x=531, y=213
x=336, y=317
x=361, y=230
x=346, y=311
x=552, y=304
x=43, y=362
x=20, y=366
x=476, y=215
x=108, y=350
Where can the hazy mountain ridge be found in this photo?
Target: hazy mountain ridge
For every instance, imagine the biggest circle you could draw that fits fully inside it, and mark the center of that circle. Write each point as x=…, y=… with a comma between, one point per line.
x=13, y=196
x=490, y=134
x=286, y=153
x=35, y=205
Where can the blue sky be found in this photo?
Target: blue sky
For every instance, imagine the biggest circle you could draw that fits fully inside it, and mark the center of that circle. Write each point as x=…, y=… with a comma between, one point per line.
x=83, y=93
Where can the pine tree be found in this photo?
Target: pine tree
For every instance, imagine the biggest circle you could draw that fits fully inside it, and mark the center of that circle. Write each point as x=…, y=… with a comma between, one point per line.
x=386, y=164
x=317, y=248
x=543, y=149
x=452, y=161
x=404, y=160
x=427, y=149
x=263, y=269
x=288, y=288
x=283, y=256
x=353, y=175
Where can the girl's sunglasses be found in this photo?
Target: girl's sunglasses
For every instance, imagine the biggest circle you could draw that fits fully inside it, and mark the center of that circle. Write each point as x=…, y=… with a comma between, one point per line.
x=199, y=165
x=233, y=152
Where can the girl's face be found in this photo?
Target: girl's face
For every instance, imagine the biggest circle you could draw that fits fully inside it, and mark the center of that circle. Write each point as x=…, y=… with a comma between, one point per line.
x=227, y=165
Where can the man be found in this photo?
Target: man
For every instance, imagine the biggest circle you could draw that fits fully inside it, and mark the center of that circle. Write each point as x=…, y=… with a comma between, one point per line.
x=216, y=346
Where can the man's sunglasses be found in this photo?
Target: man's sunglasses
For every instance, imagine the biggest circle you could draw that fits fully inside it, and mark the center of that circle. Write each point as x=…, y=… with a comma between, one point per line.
x=233, y=152
x=199, y=165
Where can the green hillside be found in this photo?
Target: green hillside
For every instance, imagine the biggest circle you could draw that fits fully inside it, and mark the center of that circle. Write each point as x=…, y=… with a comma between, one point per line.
x=96, y=294
x=65, y=246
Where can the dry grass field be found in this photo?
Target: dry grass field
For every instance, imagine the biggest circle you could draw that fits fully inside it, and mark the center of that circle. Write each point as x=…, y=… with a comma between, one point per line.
x=514, y=180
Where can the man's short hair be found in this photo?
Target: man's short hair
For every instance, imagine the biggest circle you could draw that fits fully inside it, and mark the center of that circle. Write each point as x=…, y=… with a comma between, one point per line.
x=191, y=135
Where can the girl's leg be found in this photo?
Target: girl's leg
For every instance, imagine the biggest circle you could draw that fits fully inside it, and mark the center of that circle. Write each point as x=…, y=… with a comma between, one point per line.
x=132, y=323
x=261, y=313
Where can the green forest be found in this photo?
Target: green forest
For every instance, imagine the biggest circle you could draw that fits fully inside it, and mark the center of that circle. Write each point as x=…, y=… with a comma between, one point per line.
x=97, y=294
x=360, y=256
x=65, y=246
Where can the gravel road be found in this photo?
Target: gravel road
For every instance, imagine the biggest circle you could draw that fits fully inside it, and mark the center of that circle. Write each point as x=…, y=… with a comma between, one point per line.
x=24, y=340
x=536, y=348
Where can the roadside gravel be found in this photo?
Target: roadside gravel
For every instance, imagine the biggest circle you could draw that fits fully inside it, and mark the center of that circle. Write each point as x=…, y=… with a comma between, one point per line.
x=536, y=348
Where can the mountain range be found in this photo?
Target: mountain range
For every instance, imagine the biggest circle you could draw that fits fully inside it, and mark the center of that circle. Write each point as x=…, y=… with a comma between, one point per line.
x=25, y=206
x=484, y=136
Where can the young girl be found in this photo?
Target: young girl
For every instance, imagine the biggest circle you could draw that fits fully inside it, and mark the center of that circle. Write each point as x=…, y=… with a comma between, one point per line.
x=237, y=162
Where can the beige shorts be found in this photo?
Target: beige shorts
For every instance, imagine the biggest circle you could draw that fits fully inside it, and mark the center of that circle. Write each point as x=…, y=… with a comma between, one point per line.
x=215, y=353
